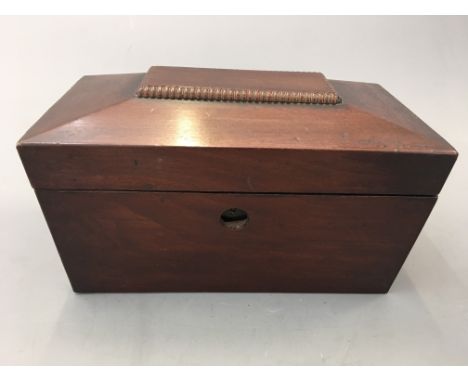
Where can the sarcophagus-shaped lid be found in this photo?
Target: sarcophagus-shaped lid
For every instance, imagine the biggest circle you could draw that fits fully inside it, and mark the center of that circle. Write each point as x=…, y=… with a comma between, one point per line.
x=218, y=130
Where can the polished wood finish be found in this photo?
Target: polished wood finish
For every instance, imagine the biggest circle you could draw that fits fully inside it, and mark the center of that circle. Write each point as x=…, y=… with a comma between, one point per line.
x=238, y=169
x=135, y=190
x=132, y=241
x=369, y=144
x=237, y=85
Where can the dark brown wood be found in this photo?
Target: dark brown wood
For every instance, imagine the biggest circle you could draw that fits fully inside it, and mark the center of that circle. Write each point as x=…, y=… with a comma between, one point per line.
x=244, y=170
x=236, y=85
x=135, y=190
x=174, y=241
x=369, y=144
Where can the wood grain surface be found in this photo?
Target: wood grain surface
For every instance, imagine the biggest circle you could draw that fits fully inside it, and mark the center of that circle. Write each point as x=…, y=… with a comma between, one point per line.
x=175, y=241
x=135, y=190
x=99, y=136
x=236, y=85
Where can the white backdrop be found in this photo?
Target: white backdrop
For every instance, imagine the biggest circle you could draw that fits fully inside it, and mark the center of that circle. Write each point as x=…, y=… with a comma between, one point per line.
x=423, y=61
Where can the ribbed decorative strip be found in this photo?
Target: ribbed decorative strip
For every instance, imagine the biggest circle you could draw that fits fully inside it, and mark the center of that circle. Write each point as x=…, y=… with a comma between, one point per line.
x=237, y=86
x=235, y=95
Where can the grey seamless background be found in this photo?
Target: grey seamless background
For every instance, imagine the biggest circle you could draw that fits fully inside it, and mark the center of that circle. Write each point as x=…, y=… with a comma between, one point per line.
x=423, y=61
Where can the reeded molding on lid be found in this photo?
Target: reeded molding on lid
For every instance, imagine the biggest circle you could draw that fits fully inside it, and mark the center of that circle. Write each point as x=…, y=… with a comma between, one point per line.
x=237, y=86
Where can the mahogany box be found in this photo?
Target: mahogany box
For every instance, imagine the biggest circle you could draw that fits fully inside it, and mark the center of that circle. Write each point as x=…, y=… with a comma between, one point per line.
x=186, y=179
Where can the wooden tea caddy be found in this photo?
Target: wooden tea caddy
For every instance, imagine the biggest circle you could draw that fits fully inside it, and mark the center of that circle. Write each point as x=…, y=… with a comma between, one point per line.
x=188, y=179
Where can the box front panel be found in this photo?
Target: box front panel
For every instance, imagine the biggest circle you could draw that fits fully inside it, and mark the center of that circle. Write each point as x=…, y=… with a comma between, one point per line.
x=130, y=241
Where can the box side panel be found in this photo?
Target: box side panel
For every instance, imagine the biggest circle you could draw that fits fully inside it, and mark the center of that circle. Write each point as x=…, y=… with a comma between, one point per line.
x=112, y=241
x=234, y=170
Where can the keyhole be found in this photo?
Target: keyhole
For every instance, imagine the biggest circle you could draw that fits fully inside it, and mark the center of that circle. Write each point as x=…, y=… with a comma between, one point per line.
x=234, y=218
